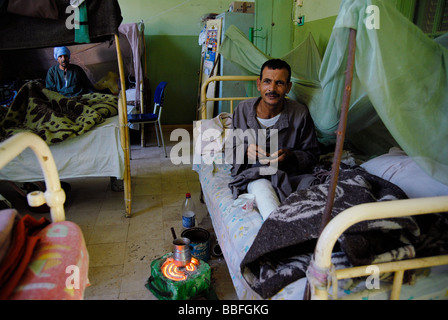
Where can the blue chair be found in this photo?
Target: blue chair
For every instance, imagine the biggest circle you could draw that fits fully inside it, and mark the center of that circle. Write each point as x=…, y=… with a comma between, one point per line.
x=143, y=118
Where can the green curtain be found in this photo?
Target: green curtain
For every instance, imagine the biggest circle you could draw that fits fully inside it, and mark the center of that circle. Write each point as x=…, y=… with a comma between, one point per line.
x=399, y=90
x=404, y=75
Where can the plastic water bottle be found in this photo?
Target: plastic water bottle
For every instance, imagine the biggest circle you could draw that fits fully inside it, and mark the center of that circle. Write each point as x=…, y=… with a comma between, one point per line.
x=188, y=212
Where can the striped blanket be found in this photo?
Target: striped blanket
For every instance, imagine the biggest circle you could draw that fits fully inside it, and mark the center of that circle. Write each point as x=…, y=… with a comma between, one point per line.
x=281, y=251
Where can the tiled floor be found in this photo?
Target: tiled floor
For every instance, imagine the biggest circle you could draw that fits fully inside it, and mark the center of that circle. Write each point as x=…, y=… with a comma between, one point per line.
x=121, y=249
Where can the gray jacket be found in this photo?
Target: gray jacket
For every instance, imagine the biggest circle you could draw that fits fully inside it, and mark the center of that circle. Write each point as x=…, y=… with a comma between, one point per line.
x=295, y=132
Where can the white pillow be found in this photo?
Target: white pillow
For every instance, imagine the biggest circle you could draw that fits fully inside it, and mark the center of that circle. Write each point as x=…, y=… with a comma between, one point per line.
x=401, y=170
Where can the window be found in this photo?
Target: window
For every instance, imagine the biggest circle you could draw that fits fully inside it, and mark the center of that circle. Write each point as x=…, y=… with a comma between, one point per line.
x=432, y=16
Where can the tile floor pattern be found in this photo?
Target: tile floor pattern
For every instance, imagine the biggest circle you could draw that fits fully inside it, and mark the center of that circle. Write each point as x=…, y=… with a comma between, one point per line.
x=121, y=249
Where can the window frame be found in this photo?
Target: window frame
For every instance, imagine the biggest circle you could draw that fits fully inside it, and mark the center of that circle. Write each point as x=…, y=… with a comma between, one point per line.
x=415, y=10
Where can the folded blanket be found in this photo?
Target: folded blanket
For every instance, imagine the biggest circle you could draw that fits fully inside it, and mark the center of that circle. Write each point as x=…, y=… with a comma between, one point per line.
x=52, y=116
x=281, y=252
x=210, y=137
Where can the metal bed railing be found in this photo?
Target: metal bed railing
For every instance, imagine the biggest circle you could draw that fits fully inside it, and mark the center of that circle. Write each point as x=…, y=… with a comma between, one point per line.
x=373, y=211
x=54, y=195
x=205, y=99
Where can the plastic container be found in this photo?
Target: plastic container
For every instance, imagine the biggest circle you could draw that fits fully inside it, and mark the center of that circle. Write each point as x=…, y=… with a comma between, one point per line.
x=188, y=212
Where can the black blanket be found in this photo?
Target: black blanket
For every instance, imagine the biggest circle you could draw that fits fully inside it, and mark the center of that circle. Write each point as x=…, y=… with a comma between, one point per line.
x=281, y=252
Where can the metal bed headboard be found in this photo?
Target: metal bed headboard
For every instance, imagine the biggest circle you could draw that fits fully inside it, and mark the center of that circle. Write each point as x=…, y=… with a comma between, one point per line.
x=205, y=99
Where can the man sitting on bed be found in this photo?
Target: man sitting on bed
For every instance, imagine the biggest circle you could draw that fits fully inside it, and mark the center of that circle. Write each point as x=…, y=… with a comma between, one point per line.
x=298, y=148
x=68, y=79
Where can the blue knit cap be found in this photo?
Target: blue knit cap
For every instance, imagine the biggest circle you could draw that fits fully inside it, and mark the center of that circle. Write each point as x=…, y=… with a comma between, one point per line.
x=60, y=51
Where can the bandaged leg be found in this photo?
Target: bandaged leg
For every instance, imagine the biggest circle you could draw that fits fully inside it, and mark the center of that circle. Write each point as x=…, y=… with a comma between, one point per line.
x=265, y=196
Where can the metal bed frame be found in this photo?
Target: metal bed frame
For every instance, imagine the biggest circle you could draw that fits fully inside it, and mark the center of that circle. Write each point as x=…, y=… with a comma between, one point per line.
x=335, y=227
x=29, y=33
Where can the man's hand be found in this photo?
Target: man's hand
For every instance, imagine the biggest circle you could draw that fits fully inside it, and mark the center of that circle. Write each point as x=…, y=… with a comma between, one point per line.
x=255, y=152
x=280, y=155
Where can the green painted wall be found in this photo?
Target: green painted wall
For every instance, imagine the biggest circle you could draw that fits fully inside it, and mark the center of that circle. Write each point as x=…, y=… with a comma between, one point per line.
x=172, y=28
x=273, y=27
x=277, y=32
x=320, y=29
x=319, y=17
x=175, y=59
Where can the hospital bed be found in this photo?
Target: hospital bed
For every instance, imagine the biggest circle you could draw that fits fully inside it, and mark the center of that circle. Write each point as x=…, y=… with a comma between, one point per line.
x=237, y=230
x=384, y=181
x=104, y=150
x=40, y=259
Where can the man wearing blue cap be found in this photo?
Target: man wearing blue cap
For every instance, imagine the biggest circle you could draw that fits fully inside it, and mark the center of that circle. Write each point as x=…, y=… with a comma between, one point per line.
x=66, y=78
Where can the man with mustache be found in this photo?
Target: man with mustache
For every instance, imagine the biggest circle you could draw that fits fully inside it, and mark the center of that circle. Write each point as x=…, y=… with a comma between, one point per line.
x=68, y=79
x=291, y=125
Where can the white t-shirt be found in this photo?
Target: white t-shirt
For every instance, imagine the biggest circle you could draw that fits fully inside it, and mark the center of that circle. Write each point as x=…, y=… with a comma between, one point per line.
x=267, y=123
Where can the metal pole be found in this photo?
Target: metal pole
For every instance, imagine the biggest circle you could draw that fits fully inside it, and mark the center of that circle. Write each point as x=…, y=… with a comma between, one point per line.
x=341, y=129
x=340, y=136
x=124, y=133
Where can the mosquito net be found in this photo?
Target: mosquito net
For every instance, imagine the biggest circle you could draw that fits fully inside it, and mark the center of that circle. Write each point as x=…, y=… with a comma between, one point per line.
x=399, y=89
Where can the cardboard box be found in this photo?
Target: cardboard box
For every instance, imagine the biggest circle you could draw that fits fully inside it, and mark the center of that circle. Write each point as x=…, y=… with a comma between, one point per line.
x=242, y=6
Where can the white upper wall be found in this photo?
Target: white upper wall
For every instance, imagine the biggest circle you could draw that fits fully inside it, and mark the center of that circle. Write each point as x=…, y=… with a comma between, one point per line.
x=171, y=17
x=318, y=9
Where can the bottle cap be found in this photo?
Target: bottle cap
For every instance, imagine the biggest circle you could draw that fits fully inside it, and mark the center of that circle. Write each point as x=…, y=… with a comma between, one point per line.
x=188, y=195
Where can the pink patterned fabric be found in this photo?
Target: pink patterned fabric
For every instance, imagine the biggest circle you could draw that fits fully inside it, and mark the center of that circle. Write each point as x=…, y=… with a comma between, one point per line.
x=59, y=267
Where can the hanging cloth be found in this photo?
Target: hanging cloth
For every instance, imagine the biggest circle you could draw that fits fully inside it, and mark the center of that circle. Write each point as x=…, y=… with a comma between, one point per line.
x=82, y=24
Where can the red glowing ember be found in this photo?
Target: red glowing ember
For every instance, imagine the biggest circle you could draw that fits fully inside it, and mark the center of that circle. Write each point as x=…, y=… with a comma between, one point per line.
x=175, y=273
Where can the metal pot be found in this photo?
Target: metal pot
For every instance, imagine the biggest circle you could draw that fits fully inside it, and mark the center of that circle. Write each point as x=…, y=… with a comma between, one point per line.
x=181, y=254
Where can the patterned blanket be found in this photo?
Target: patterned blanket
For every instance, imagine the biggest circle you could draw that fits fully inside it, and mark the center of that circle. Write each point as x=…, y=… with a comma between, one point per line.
x=52, y=116
x=281, y=251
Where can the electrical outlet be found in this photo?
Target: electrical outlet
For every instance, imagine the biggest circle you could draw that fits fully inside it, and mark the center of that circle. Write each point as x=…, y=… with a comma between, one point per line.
x=300, y=21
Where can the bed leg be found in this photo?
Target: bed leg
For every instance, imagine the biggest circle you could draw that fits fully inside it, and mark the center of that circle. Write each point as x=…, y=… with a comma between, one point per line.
x=396, y=287
x=124, y=132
